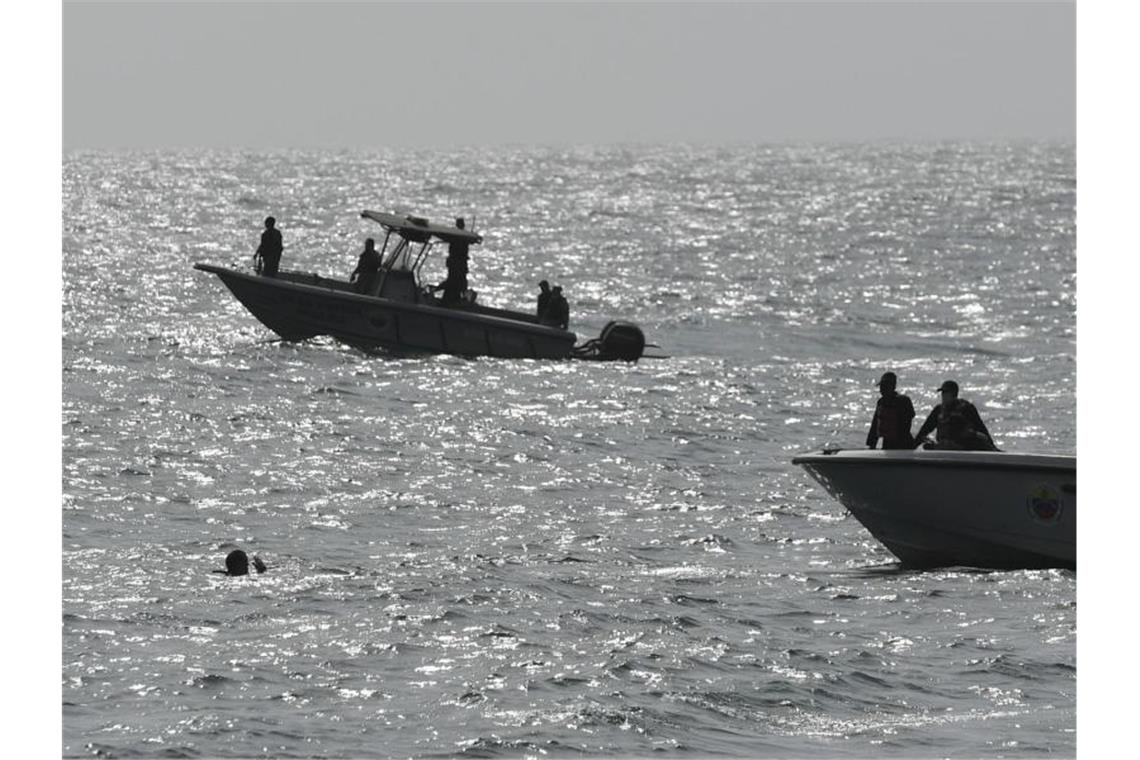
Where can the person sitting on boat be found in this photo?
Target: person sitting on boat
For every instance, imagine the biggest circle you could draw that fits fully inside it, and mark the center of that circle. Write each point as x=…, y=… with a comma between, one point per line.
x=957, y=422
x=366, y=268
x=269, y=251
x=237, y=563
x=893, y=415
x=543, y=299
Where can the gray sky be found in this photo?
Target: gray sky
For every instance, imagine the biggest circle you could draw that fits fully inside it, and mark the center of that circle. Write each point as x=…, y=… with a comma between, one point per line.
x=432, y=74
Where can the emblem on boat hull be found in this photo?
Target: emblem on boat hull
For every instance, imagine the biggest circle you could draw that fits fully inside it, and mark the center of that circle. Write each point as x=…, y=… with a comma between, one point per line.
x=1044, y=505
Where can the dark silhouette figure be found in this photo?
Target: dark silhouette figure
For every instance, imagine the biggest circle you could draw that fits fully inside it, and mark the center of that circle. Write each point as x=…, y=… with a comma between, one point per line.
x=237, y=563
x=366, y=268
x=957, y=422
x=543, y=300
x=456, y=283
x=269, y=252
x=893, y=415
x=558, y=312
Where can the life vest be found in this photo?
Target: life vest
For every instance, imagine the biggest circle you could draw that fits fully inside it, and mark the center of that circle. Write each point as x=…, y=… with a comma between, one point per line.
x=888, y=420
x=369, y=262
x=893, y=427
x=955, y=425
x=271, y=244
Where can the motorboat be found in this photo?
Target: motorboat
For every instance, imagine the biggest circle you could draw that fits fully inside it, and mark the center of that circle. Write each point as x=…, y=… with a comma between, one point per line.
x=941, y=508
x=396, y=311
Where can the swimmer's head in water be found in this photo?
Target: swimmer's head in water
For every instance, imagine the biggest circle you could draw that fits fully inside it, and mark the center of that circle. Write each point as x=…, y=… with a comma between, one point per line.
x=237, y=563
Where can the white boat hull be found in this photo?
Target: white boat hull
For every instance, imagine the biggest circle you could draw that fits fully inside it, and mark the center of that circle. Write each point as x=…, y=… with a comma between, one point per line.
x=947, y=508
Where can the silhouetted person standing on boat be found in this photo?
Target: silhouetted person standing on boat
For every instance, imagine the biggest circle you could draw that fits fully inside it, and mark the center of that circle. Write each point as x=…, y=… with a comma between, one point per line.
x=269, y=252
x=893, y=414
x=543, y=300
x=456, y=282
x=558, y=313
x=366, y=268
x=957, y=422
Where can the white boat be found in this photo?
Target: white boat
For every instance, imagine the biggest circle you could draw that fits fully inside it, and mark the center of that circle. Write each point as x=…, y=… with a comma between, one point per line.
x=398, y=312
x=934, y=508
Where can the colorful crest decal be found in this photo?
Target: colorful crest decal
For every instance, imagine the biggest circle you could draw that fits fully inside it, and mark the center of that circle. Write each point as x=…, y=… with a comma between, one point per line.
x=1044, y=505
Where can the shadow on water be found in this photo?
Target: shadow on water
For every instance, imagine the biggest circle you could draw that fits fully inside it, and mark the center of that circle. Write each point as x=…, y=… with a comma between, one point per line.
x=897, y=569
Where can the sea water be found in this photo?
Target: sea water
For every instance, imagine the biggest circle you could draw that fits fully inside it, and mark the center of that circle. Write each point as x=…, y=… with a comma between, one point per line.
x=493, y=558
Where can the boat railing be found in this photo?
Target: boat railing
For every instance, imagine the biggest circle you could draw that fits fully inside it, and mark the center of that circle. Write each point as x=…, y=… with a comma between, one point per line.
x=518, y=316
x=312, y=278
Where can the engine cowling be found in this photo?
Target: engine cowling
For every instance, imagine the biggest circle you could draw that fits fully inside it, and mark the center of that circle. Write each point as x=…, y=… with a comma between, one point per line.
x=621, y=340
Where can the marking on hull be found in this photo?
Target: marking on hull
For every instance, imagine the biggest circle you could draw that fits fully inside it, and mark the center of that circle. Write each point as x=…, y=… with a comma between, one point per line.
x=1044, y=505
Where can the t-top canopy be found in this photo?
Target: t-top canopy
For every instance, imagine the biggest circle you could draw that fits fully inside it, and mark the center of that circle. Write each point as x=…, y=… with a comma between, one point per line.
x=419, y=230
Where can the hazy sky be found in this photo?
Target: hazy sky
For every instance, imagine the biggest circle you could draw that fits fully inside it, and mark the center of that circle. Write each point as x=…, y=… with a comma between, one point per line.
x=436, y=74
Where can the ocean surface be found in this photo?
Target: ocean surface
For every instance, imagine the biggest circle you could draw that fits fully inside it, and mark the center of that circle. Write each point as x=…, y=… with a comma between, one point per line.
x=492, y=558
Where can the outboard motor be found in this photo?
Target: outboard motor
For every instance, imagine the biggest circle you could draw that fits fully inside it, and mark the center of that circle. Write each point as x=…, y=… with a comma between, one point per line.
x=618, y=340
x=622, y=340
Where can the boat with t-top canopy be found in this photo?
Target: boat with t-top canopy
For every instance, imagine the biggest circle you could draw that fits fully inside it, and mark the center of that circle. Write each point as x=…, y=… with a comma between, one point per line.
x=396, y=311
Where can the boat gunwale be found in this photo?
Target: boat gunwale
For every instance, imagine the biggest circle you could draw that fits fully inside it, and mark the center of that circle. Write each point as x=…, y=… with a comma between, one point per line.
x=978, y=460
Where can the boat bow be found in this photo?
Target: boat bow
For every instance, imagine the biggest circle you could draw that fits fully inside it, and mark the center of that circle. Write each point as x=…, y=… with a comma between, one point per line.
x=942, y=508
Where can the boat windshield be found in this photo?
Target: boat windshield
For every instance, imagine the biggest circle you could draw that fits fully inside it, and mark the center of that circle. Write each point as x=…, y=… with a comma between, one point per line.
x=404, y=257
x=414, y=237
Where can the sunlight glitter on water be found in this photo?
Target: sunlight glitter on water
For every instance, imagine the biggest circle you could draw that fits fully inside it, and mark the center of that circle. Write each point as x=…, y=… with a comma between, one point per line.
x=560, y=557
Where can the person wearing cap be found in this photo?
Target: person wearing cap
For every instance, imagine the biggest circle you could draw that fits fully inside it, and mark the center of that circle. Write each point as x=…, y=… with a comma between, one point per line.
x=893, y=415
x=268, y=254
x=543, y=300
x=957, y=424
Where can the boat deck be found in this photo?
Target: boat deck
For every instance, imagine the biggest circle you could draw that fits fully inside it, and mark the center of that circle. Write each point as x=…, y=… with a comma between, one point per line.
x=426, y=299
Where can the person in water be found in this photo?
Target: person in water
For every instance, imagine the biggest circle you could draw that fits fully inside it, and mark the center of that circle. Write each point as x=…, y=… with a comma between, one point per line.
x=456, y=283
x=543, y=300
x=893, y=415
x=957, y=424
x=237, y=563
x=269, y=251
x=366, y=268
